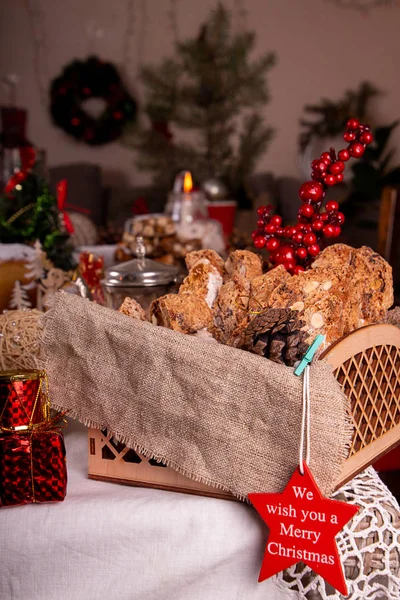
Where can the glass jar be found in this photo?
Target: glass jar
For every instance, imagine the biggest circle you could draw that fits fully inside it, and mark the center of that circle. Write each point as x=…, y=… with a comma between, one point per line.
x=141, y=278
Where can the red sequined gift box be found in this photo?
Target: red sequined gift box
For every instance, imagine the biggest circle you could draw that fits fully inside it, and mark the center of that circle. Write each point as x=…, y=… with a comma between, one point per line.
x=23, y=399
x=32, y=467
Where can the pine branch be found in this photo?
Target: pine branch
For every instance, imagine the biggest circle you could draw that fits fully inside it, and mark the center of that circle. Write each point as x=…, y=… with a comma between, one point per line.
x=254, y=140
x=206, y=87
x=331, y=116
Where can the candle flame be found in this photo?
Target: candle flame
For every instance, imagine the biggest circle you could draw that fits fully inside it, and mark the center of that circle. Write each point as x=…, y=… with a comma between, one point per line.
x=187, y=182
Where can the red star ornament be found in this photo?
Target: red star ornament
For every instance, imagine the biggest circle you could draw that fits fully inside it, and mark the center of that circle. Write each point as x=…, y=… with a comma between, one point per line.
x=302, y=528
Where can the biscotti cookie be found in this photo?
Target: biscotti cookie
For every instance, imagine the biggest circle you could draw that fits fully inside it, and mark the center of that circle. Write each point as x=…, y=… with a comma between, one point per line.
x=230, y=310
x=131, y=308
x=373, y=279
x=242, y=263
x=186, y=313
x=207, y=257
x=261, y=288
x=204, y=281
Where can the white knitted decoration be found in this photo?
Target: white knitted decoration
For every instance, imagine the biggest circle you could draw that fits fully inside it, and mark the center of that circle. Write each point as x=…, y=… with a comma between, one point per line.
x=369, y=546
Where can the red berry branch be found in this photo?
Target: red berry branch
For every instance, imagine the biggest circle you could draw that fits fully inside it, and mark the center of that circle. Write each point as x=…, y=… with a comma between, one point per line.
x=296, y=247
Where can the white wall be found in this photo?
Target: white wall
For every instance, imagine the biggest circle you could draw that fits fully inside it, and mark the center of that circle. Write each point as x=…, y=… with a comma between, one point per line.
x=322, y=50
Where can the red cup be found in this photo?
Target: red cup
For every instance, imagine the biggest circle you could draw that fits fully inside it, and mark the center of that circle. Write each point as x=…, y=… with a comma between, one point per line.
x=223, y=211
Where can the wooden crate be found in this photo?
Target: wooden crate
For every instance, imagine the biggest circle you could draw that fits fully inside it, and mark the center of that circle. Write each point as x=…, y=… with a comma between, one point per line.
x=110, y=460
x=366, y=363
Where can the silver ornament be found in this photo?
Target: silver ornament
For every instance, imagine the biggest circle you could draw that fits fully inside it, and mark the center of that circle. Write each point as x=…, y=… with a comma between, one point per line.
x=215, y=189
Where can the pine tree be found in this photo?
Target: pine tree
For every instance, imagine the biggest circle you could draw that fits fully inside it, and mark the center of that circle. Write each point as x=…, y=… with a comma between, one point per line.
x=30, y=213
x=19, y=297
x=212, y=89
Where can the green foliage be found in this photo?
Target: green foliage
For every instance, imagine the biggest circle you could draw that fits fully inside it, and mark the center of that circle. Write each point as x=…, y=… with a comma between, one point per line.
x=330, y=117
x=30, y=213
x=212, y=89
x=372, y=172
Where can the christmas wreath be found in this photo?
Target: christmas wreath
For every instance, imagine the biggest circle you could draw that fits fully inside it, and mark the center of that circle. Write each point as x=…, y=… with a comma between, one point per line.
x=92, y=78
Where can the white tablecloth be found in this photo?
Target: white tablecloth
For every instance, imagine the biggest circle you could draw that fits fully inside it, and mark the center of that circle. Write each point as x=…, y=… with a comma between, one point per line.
x=113, y=542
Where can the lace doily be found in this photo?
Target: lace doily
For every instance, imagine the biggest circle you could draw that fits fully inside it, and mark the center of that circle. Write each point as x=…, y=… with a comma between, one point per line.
x=369, y=546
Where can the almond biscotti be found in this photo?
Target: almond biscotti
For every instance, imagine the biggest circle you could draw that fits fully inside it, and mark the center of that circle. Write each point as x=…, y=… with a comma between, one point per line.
x=186, y=313
x=207, y=257
x=230, y=310
x=204, y=280
x=132, y=309
x=245, y=264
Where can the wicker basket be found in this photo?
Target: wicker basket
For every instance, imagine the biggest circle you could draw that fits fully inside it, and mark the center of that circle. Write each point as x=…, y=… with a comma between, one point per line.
x=366, y=363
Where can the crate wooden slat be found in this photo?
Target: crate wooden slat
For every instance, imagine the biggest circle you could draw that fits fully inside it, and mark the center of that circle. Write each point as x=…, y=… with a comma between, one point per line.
x=367, y=365
x=110, y=460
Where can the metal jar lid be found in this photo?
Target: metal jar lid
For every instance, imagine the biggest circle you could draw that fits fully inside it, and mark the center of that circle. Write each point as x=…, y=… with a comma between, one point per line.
x=140, y=272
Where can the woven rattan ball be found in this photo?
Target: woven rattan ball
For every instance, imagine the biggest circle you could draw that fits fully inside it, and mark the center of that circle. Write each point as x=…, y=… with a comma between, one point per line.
x=85, y=232
x=20, y=340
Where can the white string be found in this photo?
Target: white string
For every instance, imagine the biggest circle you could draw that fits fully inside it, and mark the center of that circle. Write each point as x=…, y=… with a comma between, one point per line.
x=305, y=421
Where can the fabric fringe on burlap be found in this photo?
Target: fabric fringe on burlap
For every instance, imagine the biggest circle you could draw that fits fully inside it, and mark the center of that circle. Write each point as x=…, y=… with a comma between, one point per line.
x=219, y=415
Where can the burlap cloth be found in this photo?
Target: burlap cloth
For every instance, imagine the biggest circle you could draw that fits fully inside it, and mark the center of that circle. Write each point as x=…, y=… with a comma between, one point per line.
x=214, y=413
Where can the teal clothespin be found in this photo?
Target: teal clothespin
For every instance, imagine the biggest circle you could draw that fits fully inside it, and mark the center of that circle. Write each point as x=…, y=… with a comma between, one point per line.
x=309, y=355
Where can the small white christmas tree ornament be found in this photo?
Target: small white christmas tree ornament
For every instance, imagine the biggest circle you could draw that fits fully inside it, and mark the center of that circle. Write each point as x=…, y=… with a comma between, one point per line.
x=35, y=266
x=19, y=297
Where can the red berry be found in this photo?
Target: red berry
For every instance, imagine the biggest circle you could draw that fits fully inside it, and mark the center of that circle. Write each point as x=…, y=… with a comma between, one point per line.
x=306, y=210
x=316, y=175
x=284, y=254
x=366, y=137
x=307, y=228
x=298, y=269
x=332, y=206
x=311, y=190
x=326, y=157
x=315, y=163
x=259, y=242
x=272, y=244
x=313, y=250
x=290, y=231
x=321, y=166
x=279, y=232
x=336, y=167
x=356, y=150
x=340, y=218
x=310, y=239
x=330, y=180
x=352, y=124
x=339, y=178
x=329, y=231
x=324, y=217
x=317, y=225
x=338, y=231
x=270, y=228
x=301, y=252
x=349, y=136
x=343, y=155
x=262, y=210
x=256, y=233
x=298, y=237
x=289, y=266
x=260, y=223
x=276, y=220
